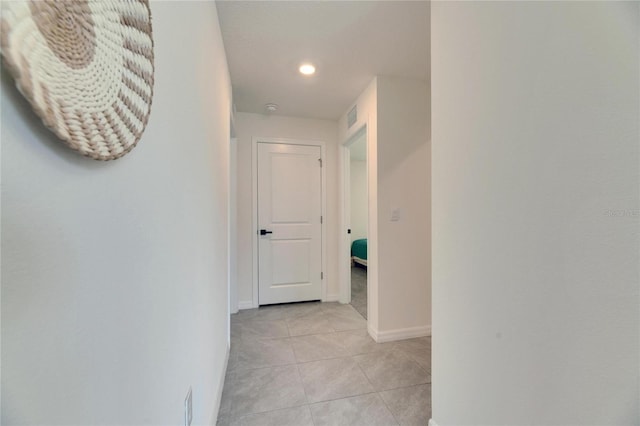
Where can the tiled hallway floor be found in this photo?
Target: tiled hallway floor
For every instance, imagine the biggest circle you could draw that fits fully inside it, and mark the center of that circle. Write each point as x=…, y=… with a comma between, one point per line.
x=359, y=289
x=315, y=364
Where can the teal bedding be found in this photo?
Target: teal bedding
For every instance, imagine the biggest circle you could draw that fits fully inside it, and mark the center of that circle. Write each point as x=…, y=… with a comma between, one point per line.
x=359, y=249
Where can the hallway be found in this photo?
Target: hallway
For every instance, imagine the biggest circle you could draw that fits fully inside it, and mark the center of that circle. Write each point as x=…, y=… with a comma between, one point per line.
x=315, y=364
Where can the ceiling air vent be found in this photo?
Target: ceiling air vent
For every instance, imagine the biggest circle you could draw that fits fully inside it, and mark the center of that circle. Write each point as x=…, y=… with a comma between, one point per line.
x=352, y=116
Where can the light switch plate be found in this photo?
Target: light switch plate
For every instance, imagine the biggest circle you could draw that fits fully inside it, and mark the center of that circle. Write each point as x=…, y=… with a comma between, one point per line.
x=395, y=215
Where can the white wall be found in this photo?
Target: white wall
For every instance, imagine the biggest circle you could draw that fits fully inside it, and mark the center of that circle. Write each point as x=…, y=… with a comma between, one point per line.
x=404, y=246
x=535, y=282
x=114, y=275
x=359, y=200
x=272, y=126
x=398, y=149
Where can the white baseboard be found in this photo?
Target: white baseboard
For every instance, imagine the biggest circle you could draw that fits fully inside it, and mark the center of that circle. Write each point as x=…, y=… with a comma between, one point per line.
x=432, y=422
x=333, y=297
x=214, y=417
x=246, y=304
x=372, y=331
x=400, y=333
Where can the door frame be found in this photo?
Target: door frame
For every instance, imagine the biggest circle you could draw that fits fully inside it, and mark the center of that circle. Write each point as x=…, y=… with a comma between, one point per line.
x=254, y=206
x=344, y=263
x=345, y=240
x=233, y=225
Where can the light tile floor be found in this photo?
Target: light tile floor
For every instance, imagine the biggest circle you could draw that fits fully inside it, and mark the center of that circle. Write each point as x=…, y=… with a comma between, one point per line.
x=359, y=289
x=315, y=364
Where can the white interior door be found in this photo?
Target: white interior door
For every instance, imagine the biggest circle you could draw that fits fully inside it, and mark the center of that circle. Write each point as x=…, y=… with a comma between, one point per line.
x=289, y=223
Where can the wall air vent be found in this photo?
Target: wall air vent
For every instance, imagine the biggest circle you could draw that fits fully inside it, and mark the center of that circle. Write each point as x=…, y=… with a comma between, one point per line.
x=352, y=116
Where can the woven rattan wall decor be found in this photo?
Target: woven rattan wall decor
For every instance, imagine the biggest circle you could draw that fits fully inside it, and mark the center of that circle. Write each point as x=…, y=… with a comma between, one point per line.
x=86, y=67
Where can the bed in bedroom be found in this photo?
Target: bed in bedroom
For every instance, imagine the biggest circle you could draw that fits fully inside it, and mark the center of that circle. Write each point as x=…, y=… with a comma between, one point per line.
x=359, y=251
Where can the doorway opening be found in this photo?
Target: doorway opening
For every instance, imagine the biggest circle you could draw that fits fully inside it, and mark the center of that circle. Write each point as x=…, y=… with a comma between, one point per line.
x=357, y=205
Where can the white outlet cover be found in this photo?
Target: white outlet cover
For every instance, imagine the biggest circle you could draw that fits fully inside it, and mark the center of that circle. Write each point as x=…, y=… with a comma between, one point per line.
x=395, y=215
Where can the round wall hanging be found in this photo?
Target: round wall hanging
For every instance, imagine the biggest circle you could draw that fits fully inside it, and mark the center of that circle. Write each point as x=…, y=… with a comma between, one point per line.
x=86, y=67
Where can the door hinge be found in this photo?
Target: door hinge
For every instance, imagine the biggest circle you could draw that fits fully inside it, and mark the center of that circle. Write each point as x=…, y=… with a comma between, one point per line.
x=320, y=160
x=322, y=275
x=321, y=220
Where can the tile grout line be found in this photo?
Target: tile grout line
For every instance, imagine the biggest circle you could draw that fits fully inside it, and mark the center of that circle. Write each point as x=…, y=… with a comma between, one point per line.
x=364, y=373
x=309, y=404
x=268, y=411
x=297, y=361
x=388, y=409
x=413, y=360
x=235, y=417
x=404, y=387
x=399, y=387
x=306, y=397
x=325, y=312
x=339, y=399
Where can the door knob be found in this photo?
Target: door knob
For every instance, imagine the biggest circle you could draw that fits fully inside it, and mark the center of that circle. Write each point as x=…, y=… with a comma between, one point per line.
x=265, y=232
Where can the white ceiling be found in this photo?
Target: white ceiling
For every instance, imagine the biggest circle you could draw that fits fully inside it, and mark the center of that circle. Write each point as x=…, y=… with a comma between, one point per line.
x=350, y=42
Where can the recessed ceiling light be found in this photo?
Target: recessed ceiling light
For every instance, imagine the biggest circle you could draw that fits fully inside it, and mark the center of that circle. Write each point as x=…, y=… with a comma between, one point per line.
x=271, y=107
x=307, y=69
